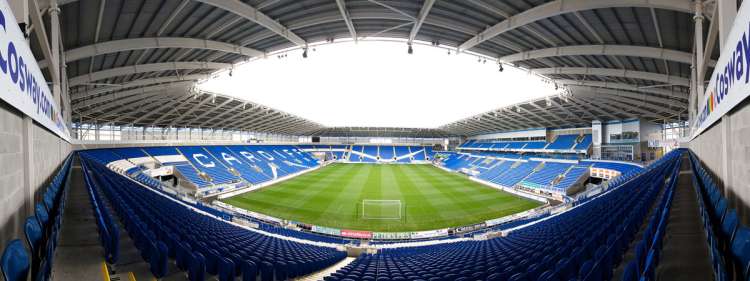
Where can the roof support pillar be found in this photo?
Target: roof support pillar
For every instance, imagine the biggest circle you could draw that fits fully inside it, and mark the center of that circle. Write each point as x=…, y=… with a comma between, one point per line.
x=698, y=19
x=54, y=18
x=727, y=13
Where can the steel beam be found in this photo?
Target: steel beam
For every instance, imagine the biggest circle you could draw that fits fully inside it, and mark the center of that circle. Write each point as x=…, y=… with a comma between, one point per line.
x=620, y=86
x=347, y=19
x=560, y=7
x=664, y=101
x=138, y=83
x=426, y=6
x=603, y=50
x=144, y=68
x=153, y=43
x=624, y=73
x=137, y=91
x=246, y=11
x=208, y=99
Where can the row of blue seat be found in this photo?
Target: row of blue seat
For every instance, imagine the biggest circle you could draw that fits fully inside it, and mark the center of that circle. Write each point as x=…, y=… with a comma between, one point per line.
x=548, y=173
x=648, y=250
x=728, y=241
x=562, y=142
x=388, y=152
x=205, y=166
x=42, y=231
x=583, y=243
x=109, y=231
x=164, y=229
x=571, y=177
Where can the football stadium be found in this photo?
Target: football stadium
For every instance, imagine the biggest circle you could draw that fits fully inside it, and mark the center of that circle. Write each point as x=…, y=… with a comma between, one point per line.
x=375, y=140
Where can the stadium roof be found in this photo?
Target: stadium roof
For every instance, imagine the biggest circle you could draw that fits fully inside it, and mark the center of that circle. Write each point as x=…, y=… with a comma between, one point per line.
x=619, y=58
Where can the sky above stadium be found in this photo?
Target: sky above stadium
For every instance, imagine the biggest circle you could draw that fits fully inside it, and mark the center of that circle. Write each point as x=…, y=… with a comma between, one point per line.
x=376, y=83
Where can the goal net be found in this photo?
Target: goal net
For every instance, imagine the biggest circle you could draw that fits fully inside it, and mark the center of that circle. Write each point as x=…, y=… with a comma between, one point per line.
x=382, y=209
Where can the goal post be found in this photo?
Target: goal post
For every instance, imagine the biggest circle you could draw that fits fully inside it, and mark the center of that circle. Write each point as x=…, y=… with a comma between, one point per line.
x=382, y=209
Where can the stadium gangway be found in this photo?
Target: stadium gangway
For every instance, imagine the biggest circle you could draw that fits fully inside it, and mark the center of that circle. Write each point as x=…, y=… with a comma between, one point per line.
x=42, y=233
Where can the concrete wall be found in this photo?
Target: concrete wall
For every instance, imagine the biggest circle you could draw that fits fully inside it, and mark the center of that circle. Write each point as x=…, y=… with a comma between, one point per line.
x=29, y=157
x=724, y=150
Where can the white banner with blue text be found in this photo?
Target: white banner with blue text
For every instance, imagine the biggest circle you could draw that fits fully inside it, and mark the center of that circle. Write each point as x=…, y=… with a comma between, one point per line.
x=22, y=84
x=730, y=82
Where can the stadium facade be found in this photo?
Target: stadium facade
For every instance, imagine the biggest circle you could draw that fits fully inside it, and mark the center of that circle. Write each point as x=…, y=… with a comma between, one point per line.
x=115, y=165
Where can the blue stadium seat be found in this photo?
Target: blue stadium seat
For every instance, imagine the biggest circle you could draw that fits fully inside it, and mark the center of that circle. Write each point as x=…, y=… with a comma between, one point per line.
x=33, y=232
x=226, y=269
x=741, y=250
x=197, y=271
x=729, y=225
x=15, y=262
x=631, y=272
x=41, y=215
x=163, y=227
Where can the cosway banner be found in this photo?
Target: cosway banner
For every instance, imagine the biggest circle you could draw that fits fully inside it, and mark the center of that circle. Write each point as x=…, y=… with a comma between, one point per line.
x=730, y=82
x=22, y=84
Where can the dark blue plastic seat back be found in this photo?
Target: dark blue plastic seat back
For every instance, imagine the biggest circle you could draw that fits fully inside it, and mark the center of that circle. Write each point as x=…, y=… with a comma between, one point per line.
x=33, y=232
x=15, y=261
x=548, y=275
x=585, y=269
x=197, y=270
x=41, y=214
x=158, y=260
x=249, y=271
x=494, y=277
x=226, y=269
x=741, y=249
x=518, y=277
x=640, y=255
x=631, y=272
x=729, y=225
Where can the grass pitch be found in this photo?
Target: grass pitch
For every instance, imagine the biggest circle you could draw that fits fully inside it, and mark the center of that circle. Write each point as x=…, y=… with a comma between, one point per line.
x=431, y=198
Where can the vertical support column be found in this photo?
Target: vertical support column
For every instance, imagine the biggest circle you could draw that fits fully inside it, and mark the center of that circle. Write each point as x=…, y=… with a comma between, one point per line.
x=726, y=164
x=29, y=186
x=54, y=18
x=596, y=139
x=20, y=10
x=727, y=13
x=698, y=18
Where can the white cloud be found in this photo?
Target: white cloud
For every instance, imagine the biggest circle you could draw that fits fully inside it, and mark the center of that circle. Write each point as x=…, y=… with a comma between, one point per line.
x=376, y=83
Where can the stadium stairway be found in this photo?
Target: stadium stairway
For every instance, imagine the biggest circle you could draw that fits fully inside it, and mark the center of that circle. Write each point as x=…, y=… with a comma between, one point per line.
x=684, y=254
x=79, y=255
x=326, y=272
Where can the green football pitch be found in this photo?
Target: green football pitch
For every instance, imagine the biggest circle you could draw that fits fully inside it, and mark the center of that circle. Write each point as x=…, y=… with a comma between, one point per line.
x=430, y=198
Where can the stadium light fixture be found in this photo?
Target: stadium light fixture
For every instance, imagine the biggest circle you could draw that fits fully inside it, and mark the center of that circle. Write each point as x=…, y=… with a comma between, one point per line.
x=304, y=53
x=409, y=49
